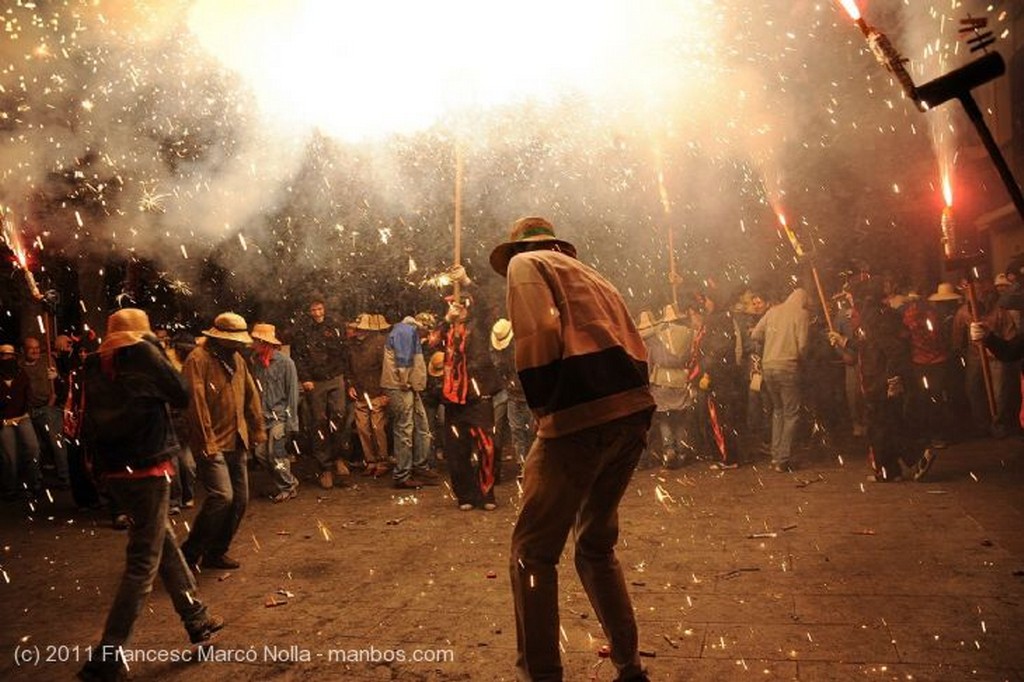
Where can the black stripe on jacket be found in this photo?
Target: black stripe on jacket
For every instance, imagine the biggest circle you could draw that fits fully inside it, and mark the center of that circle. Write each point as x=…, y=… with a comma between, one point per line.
x=569, y=382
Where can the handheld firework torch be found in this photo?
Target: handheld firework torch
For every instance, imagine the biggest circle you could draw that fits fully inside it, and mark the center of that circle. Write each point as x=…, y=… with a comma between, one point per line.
x=798, y=249
x=13, y=241
x=956, y=84
x=886, y=55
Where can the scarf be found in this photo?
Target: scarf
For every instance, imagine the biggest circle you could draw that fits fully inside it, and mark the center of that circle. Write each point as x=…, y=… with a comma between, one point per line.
x=456, y=378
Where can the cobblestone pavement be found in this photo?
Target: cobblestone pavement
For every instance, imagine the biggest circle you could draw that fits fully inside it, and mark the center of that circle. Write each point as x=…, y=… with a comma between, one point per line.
x=736, y=575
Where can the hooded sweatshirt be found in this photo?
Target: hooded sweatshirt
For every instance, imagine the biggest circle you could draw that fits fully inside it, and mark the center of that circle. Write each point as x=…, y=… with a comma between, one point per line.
x=783, y=329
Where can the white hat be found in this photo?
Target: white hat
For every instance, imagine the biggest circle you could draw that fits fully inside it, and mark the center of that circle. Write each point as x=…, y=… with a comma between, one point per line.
x=501, y=334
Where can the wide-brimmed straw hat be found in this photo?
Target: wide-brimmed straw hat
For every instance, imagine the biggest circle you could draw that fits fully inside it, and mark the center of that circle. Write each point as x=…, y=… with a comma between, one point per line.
x=945, y=292
x=669, y=314
x=436, y=366
x=526, y=230
x=126, y=327
x=371, y=322
x=1002, y=280
x=645, y=322
x=6, y=349
x=229, y=327
x=267, y=333
x=501, y=334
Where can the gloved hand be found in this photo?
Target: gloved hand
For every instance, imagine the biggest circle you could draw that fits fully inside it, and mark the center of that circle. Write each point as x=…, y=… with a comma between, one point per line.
x=457, y=273
x=837, y=340
x=978, y=331
x=894, y=387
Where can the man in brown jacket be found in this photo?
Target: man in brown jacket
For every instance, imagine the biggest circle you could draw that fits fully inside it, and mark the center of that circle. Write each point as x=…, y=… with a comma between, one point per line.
x=225, y=419
x=583, y=367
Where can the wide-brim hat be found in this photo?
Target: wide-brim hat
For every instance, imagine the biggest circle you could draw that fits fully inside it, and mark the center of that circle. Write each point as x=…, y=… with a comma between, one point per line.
x=6, y=349
x=229, y=327
x=267, y=333
x=371, y=322
x=669, y=314
x=526, y=230
x=436, y=366
x=1002, y=280
x=501, y=334
x=945, y=292
x=645, y=322
x=126, y=327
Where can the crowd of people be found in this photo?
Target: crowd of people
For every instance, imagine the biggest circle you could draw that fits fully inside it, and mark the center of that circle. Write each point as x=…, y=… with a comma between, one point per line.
x=141, y=419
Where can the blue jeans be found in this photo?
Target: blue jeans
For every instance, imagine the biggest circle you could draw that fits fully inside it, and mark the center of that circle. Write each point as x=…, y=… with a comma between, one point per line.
x=152, y=549
x=520, y=425
x=20, y=448
x=784, y=388
x=411, y=430
x=273, y=457
x=226, y=480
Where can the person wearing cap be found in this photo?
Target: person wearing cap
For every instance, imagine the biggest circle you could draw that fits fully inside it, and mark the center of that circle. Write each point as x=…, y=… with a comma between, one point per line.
x=583, y=368
x=520, y=421
x=318, y=349
x=126, y=428
x=365, y=363
x=225, y=420
x=278, y=384
x=403, y=378
x=431, y=397
x=18, y=443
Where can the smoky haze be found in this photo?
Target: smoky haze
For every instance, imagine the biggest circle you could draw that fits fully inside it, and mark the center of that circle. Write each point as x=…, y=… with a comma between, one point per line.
x=123, y=133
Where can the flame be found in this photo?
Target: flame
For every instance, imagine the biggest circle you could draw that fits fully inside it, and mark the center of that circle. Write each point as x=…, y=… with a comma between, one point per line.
x=851, y=8
x=947, y=189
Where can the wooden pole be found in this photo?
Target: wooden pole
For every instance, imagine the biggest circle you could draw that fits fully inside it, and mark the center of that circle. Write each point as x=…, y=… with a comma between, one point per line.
x=458, y=215
x=821, y=297
x=673, y=276
x=986, y=371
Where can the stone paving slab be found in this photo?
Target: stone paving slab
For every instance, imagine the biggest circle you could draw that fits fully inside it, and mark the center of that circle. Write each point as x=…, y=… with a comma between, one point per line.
x=736, y=575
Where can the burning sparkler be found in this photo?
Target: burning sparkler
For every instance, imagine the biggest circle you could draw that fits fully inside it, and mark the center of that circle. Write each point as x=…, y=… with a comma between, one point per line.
x=13, y=240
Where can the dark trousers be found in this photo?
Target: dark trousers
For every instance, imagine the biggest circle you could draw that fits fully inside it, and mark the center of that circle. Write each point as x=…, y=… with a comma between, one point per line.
x=226, y=480
x=886, y=433
x=152, y=550
x=469, y=450
x=324, y=428
x=574, y=483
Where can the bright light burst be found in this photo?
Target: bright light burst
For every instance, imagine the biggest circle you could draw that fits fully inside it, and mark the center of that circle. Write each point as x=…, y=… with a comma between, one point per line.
x=358, y=70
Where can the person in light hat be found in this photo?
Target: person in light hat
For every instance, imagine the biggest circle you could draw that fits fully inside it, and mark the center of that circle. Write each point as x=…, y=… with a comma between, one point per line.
x=517, y=412
x=583, y=368
x=275, y=375
x=225, y=420
x=363, y=368
x=129, y=385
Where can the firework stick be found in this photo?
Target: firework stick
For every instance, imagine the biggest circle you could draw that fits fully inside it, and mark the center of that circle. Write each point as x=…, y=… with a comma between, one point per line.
x=458, y=215
x=821, y=297
x=673, y=276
